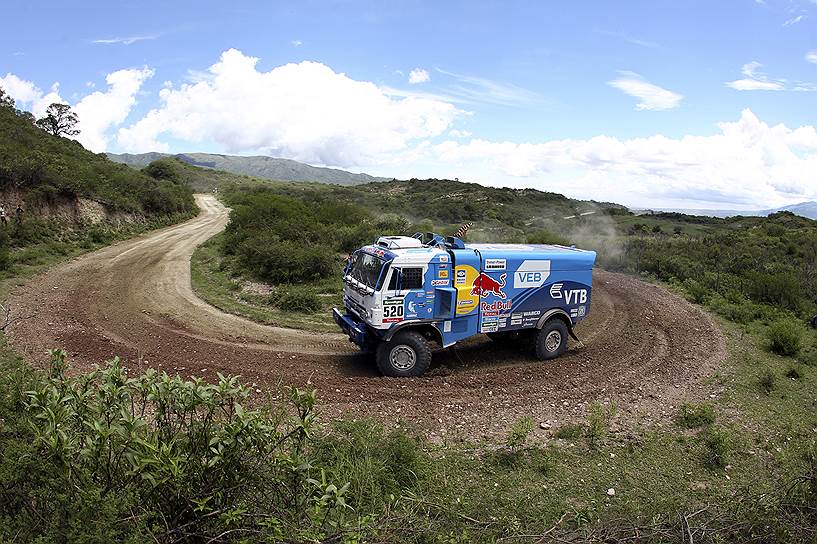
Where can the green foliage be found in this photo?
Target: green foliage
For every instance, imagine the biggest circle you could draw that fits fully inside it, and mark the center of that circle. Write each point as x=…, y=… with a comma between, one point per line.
x=544, y=236
x=767, y=380
x=745, y=269
x=166, y=169
x=569, y=431
x=785, y=337
x=692, y=415
x=295, y=298
x=59, y=120
x=48, y=167
x=717, y=444
x=518, y=433
x=598, y=422
x=110, y=457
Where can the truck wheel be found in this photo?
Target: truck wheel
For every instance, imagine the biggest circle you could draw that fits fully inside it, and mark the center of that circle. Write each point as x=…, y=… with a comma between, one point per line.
x=405, y=356
x=813, y=322
x=551, y=340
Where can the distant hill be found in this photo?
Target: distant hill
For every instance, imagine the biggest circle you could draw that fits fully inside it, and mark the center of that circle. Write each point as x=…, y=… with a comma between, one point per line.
x=803, y=209
x=256, y=166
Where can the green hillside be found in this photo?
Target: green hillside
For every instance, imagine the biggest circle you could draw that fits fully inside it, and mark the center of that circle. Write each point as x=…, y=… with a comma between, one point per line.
x=46, y=167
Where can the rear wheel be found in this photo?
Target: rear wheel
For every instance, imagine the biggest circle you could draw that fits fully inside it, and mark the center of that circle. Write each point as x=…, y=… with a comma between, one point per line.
x=551, y=340
x=407, y=355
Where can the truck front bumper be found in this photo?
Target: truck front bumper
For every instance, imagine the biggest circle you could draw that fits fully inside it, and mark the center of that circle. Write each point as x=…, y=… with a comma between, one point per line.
x=357, y=331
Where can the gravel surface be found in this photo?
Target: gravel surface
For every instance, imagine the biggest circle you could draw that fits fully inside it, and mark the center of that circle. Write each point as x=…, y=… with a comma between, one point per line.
x=643, y=348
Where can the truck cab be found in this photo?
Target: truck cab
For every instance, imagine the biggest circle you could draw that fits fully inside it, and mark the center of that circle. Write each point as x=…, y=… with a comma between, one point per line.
x=403, y=293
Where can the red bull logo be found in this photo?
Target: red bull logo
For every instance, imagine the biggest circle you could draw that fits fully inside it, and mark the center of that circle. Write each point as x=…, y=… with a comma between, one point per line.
x=485, y=285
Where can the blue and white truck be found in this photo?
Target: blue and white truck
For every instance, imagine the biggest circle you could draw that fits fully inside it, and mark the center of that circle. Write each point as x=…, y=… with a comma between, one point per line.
x=403, y=293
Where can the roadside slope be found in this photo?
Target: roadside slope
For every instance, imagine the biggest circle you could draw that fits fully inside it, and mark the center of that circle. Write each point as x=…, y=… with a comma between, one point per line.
x=643, y=346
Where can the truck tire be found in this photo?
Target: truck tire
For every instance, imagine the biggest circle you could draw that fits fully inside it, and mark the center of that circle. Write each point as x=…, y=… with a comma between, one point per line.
x=407, y=355
x=551, y=340
x=813, y=322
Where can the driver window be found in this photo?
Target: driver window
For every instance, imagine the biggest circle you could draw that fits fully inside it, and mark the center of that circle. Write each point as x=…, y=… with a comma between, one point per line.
x=403, y=279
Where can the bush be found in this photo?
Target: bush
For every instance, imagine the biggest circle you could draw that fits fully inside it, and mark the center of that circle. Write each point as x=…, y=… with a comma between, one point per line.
x=518, y=433
x=785, y=338
x=569, y=431
x=156, y=458
x=693, y=416
x=717, y=444
x=292, y=298
x=767, y=381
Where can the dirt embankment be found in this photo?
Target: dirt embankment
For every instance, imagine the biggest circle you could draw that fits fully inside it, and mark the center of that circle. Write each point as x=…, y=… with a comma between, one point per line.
x=644, y=348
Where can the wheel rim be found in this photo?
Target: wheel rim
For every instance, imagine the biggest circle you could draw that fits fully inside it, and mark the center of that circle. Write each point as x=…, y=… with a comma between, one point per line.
x=402, y=357
x=553, y=340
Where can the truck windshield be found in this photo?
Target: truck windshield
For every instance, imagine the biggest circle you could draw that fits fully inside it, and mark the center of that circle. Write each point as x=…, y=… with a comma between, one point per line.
x=365, y=268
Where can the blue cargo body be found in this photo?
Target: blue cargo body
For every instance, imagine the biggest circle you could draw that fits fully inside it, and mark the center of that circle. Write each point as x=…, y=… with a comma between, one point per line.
x=446, y=291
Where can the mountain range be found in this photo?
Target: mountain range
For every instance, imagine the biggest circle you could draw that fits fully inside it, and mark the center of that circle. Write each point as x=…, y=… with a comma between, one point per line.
x=257, y=166
x=803, y=209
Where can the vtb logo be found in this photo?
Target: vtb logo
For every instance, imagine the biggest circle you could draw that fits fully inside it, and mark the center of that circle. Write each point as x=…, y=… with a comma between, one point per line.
x=571, y=296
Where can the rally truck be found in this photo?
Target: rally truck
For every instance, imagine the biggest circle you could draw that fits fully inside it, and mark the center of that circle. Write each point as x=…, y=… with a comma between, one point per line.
x=403, y=293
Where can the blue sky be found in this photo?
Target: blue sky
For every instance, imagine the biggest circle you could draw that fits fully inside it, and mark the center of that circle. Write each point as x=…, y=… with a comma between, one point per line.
x=647, y=103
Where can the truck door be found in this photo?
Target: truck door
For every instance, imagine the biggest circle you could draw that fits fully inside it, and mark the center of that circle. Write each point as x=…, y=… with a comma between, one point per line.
x=405, y=297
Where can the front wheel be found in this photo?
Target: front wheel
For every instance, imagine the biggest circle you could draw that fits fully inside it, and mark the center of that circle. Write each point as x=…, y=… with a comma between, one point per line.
x=407, y=355
x=551, y=340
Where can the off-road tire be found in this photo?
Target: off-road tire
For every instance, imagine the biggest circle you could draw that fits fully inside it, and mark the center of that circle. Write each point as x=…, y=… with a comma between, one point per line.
x=813, y=322
x=551, y=340
x=408, y=347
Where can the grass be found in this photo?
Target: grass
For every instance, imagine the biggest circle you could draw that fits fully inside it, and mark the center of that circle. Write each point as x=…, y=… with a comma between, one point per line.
x=214, y=284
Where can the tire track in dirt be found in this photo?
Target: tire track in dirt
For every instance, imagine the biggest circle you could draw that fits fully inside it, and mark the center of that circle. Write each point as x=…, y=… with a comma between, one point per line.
x=643, y=349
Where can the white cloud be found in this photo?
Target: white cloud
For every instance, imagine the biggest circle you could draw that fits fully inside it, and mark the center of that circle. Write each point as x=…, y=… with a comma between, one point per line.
x=28, y=96
x=651, y=97
x=793, y=20
x=811, y=56
x=473, y=89
x=100, y=111
x=746, y=163
x=303, y=111
x=296, y=43
x=455, y=133
x=127, y=40
x=418, y=75
x=754, y=80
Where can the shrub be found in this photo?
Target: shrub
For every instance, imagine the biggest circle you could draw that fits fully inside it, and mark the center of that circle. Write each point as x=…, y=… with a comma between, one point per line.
x=693, y=416
x=793, y=373
x=569, y=430
x=717, y=444
x=157, y=458
x=767, y=381
x=785, y=338
x=518, y=433
x=598, y=422
x=293, y=298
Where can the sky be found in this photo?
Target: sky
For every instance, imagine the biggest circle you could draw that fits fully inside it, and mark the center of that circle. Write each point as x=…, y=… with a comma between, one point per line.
x=695, y=104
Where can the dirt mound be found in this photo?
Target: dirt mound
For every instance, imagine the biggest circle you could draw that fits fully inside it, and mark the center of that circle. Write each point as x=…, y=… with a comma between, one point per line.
x=643, y=348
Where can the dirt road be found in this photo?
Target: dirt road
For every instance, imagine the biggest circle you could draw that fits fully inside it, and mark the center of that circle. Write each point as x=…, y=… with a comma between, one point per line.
x=644, y=348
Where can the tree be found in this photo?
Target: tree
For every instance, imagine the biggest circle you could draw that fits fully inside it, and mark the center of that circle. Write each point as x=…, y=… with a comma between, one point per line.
x=59, y=120
x=5, y=100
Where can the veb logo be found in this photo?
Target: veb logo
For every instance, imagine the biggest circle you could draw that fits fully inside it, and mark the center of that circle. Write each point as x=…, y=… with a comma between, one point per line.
x=531, y=274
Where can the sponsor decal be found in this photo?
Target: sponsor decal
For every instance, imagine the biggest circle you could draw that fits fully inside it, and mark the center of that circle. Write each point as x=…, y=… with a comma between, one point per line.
x=495, y=308
x=489, y=327
x=556, y=290
x=443, y=258
x=495, y=264
x=582, y=311
x=438, y=283
x=442, y=273
x=393, y=310
x=412, y=308
x=485, y=285
x=531, y=274
x=461, y=277
x=576, y=296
